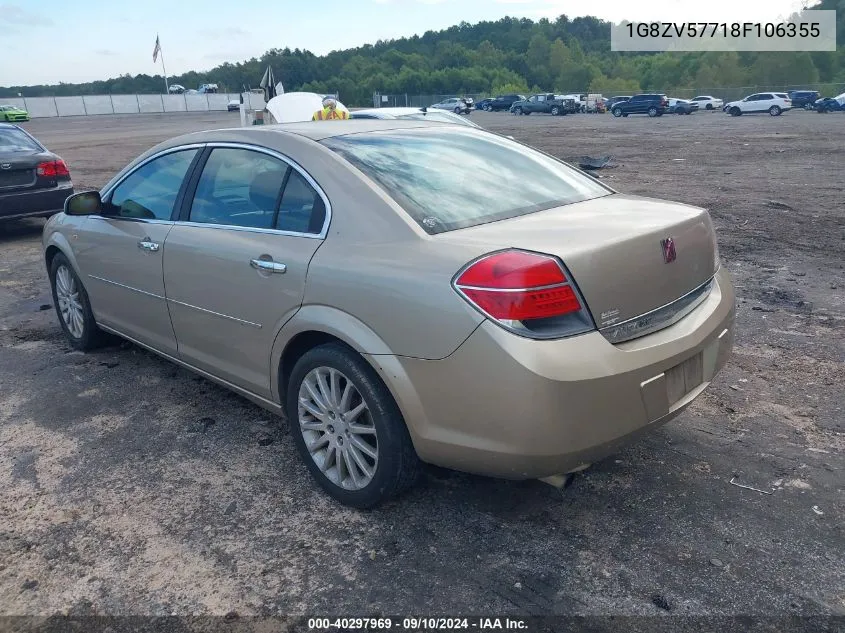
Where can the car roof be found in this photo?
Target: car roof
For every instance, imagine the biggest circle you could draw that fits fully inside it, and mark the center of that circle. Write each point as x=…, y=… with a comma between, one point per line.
x=312, y=130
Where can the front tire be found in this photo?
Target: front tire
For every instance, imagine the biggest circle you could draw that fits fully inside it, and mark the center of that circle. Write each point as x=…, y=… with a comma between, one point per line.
x=617, y=112
x=774, y=111
x=735, y=111
x=348, y=429
x=73, y=307
x=457, y=110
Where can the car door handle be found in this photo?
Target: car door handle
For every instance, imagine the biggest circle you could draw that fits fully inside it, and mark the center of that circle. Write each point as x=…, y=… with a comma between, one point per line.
x=146, y=245
x=270, y=267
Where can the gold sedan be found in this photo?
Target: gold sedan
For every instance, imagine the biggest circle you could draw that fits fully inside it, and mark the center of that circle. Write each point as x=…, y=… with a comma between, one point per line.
x=403, y=292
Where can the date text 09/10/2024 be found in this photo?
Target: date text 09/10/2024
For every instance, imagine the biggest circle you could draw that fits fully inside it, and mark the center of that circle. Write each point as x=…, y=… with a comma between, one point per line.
x=417, y=624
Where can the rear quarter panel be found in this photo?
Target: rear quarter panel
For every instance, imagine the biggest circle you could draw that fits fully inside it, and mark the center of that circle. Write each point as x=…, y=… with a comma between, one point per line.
x=378, y=276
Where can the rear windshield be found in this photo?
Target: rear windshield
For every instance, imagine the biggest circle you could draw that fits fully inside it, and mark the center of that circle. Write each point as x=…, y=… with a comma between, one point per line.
x=13, y=140
x=455, y=177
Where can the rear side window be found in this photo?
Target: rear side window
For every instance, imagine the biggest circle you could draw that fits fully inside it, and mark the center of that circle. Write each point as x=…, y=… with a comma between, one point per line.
x=302, y=209
x=454, y=177
x=783, y=96
x=14, y=140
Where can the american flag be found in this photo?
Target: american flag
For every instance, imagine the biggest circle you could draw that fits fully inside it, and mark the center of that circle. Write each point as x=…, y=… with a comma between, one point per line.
x=157, y=49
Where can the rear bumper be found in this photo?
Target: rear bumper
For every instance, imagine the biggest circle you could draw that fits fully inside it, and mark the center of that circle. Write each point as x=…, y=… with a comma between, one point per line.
x=34, y=202
x=511, y=407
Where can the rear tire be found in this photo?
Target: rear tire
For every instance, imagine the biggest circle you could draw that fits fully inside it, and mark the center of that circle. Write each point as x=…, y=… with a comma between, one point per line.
x=73, y=307
x=396, y=466
x=774, y=111
x=709, y=106
x=555, y=111
x=652, y=112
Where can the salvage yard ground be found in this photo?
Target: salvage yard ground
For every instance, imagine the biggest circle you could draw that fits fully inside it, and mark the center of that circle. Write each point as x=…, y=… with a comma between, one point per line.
x=132, y=487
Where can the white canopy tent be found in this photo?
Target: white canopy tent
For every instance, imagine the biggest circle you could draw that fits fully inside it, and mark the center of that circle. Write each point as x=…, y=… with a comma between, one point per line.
x=295, y=107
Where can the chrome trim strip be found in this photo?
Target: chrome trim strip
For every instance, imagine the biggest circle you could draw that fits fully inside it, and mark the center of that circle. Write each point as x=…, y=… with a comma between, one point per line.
x=122, y=219
x=659, y=318
x=259, y=400
x=123, y=175
x=247, y=229
x=114, y=283
x=550, y=287
x=217, y=314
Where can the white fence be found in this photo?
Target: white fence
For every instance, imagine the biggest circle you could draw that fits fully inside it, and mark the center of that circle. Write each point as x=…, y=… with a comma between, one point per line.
x=40, y=107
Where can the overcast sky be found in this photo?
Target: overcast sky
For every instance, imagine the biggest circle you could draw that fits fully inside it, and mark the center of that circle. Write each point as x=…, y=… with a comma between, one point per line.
x=49, y=41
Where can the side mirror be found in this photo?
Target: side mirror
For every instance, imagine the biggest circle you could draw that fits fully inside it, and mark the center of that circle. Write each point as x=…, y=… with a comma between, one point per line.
x=84, y=203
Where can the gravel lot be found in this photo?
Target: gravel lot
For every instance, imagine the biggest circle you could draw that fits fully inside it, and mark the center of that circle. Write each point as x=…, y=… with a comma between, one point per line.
x=133, y=487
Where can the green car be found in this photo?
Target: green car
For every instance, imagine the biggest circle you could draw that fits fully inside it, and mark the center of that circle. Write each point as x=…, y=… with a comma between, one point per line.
x=13, y=114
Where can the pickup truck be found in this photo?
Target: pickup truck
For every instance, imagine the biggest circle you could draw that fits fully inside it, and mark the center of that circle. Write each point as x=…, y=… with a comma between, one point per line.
x=548, y=103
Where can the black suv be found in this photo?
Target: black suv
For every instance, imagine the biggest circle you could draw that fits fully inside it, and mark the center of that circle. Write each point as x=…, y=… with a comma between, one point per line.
x=804, y=98
x=503, y=102
x=652, y=105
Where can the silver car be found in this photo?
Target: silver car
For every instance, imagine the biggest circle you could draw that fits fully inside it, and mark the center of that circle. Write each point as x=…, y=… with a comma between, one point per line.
x=513, y=318
x=457, y=105
x=412, y=114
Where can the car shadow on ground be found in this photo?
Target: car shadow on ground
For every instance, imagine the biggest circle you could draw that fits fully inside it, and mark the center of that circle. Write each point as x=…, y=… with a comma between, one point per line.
x=13, y=230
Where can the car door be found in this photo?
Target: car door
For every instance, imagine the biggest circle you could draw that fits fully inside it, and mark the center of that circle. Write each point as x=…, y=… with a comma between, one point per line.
x=236, y=261
x=636, y=105
x=120, y=252
x=756, y=103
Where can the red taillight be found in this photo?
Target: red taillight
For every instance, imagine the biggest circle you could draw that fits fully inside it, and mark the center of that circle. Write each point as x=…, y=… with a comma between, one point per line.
x=519, y=286
x=53, y=169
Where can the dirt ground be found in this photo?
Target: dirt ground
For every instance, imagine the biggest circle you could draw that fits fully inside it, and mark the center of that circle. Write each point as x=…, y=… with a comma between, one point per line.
x=132, y=487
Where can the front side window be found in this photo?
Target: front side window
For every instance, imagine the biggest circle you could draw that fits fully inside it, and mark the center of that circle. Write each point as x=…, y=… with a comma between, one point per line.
x=238, y=187
x=498, y=178
x=150, y=191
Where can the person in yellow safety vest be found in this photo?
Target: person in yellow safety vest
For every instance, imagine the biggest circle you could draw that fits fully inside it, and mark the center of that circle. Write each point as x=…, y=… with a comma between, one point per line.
x=329, y=111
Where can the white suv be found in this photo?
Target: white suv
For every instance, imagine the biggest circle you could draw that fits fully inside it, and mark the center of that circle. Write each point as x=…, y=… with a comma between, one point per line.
x=772, y=102
x=706, y=102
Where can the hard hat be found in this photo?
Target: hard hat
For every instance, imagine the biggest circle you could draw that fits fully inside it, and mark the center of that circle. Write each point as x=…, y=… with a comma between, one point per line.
x=328, y=99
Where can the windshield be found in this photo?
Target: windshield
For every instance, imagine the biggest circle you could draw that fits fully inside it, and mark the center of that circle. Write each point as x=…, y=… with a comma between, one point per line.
x=454, y=177
x=14, y=140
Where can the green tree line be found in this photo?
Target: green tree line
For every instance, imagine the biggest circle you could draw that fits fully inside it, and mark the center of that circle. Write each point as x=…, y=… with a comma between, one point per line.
x=507, y=55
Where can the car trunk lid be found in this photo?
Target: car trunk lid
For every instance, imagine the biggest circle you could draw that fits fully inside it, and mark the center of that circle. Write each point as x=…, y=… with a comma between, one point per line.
x=19, y=170
x=628, y=255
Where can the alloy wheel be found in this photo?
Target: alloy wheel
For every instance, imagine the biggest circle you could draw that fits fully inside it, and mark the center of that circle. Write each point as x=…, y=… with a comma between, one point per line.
x=70, y=306
x=338, y=429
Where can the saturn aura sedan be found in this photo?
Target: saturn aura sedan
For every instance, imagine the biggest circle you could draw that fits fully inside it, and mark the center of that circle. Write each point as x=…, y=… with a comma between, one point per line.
x=517, y=319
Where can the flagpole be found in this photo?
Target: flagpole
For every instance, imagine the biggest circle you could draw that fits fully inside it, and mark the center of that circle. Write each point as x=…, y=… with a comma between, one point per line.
x=166, y=87
x=161, y=52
